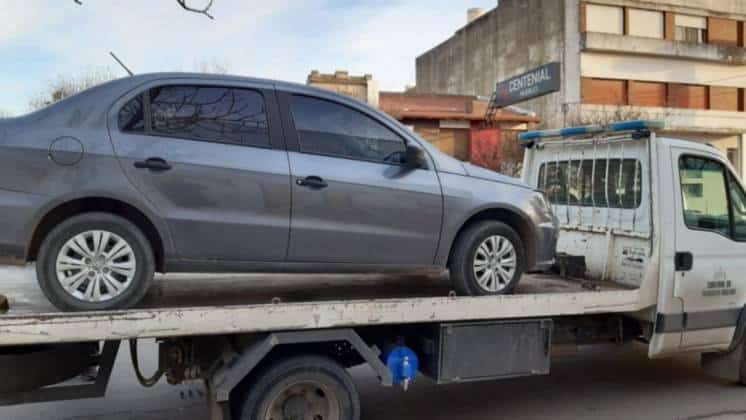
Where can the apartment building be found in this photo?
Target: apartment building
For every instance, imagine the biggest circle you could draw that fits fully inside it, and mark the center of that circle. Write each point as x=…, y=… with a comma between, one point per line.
x=679, y=60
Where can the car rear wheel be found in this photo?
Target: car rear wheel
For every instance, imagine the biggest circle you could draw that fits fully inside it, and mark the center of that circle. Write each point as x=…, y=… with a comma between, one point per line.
x=488, y=259
x=95, y=261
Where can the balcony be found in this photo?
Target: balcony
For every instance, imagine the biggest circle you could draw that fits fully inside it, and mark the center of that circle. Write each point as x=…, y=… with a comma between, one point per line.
x=620, y=44
x=678, y=120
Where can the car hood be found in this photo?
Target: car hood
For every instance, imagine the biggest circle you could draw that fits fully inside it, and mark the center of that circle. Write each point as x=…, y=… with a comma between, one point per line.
x=474, y=171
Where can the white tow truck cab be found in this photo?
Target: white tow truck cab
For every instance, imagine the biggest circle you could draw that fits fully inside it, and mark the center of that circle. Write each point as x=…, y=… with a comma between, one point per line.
x=651, y=249
x=661, y=215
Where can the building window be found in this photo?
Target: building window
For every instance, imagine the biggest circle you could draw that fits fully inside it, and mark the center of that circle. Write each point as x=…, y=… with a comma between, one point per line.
x=604, y=91
x=605, y=19
x=647, y=94
x=691, y=28
x=646, y=23
x=688, y=96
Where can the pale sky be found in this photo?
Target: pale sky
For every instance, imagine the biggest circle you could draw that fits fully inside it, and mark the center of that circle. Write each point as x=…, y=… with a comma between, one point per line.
x=41, y=40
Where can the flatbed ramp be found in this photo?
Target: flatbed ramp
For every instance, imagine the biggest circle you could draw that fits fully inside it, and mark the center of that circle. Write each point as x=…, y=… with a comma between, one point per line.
x=223, y=304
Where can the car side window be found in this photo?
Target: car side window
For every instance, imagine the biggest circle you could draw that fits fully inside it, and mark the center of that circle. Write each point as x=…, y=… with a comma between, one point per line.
x=704, y=194
x=218, y=114
x=332, y=129
x=132, y=116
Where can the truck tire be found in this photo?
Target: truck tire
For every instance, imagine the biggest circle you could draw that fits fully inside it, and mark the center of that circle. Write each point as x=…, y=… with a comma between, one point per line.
x=95, y=261
x=488, y=259
x=308, y=387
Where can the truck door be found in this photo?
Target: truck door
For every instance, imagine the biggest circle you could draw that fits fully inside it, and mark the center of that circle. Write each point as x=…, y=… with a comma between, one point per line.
x=710, y=248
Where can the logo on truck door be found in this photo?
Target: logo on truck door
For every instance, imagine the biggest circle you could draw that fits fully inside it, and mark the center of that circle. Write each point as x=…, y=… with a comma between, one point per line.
x=719, y=285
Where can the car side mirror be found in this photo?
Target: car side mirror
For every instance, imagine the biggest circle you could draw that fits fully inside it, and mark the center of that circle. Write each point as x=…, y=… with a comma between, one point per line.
x=415, y=157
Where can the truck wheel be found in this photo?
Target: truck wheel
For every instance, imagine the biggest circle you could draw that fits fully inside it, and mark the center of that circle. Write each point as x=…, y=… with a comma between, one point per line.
x=95, y=261
x=488, y=259
x=300, y=387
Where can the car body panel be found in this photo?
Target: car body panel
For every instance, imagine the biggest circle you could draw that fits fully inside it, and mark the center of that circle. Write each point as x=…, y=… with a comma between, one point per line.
x=221, y=201
x=371, y=213
x=465, y=197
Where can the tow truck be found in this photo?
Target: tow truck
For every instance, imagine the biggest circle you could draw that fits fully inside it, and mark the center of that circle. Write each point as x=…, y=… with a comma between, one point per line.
x=651, y=249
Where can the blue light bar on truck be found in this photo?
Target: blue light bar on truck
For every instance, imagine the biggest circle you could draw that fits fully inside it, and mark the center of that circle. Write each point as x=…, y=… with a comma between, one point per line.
x=635, y=125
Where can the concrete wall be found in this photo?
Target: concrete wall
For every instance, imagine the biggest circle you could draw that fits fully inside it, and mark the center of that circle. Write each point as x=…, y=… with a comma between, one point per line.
x=509, y=40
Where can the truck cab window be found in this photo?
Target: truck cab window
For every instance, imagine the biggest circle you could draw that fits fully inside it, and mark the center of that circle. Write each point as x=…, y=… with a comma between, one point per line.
x=704, y=194
x=738, y=209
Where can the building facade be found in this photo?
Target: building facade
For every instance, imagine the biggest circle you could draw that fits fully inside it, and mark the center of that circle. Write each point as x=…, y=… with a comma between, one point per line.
x=456, y=124
x=362, y=88
x=679, y=60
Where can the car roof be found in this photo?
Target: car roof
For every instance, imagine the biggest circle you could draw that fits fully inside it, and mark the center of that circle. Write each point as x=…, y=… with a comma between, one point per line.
x=139, y=79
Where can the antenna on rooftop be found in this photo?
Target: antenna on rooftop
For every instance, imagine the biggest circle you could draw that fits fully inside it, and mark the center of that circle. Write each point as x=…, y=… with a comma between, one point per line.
x=121, y=63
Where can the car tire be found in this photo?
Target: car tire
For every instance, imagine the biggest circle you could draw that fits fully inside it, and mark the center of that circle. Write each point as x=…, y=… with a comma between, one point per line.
x=97, y=275
x=281, y=386
x=483, y=249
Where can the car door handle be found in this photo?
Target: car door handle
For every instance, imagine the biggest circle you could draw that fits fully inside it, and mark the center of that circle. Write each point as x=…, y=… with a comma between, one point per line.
x=312, y=181
x=154, y=164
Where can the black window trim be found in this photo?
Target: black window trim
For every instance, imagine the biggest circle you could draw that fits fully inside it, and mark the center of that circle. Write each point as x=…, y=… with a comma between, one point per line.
x=638, y=162
x=729, y=177
x=148, y=131
x=294, y=138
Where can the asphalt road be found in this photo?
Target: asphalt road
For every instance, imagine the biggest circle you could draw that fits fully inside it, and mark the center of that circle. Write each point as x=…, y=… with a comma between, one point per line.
x=594, y=383
x=609, y=383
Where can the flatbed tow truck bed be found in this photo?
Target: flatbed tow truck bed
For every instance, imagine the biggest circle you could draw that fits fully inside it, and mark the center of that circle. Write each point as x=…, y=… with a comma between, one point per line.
x=187, y=305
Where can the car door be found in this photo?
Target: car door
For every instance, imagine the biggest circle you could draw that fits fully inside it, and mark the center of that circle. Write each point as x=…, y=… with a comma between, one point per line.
x=710, y=230
x=354, y=201
x=211, y=158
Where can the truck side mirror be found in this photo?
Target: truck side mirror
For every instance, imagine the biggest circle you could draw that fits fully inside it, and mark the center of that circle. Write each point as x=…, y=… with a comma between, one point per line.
x=415, y=157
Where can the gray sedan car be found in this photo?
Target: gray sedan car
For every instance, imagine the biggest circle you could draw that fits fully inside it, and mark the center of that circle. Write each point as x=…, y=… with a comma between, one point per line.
x=203, y=173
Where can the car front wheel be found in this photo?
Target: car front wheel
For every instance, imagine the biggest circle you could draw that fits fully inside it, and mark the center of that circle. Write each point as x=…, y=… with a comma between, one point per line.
x=95, y=261
x=488, y=259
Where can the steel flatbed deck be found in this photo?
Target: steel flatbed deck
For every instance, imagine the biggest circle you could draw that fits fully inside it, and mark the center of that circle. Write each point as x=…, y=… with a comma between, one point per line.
x=187, y=305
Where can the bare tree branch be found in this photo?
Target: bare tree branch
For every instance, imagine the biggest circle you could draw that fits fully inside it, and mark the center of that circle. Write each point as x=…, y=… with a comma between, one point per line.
x=183, y=3
x=205, y=10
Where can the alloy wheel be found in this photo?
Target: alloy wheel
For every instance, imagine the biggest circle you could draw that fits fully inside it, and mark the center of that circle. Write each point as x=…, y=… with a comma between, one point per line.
x=96, y=266
x=495, y=263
